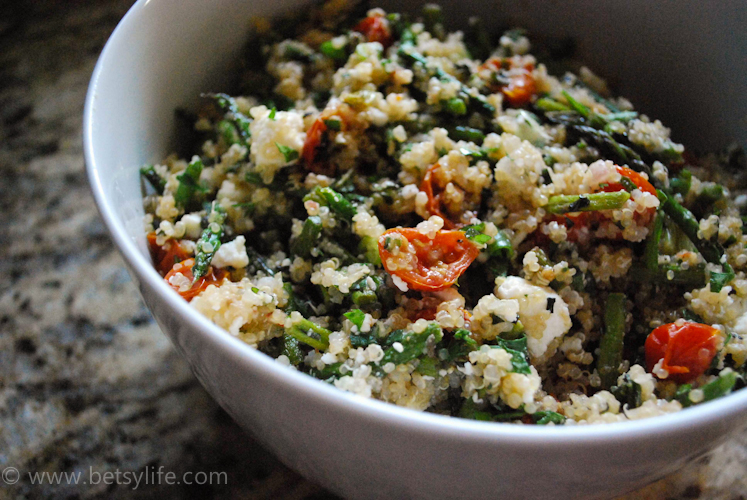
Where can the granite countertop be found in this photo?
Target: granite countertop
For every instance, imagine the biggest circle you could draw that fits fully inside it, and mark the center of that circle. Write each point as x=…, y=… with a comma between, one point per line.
x=88, y=382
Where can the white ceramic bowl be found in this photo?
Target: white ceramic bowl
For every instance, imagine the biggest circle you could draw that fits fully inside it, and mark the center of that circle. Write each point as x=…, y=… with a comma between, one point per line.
x=165, y=52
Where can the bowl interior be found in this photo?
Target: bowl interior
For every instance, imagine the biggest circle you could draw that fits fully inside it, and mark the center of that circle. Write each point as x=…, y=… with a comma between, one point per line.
x=161, y=58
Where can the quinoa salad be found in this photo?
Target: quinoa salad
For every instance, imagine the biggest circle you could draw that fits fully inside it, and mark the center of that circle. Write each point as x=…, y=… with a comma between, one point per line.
x=458, y=222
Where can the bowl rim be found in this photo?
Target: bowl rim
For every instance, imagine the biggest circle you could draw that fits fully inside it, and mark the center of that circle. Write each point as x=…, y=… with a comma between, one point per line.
x=444, y=426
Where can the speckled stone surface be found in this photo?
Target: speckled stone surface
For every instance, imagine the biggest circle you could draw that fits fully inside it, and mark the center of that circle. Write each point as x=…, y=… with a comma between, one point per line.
x=87, y=380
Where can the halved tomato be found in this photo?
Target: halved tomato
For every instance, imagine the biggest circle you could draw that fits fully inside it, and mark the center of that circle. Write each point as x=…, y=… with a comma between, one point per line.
x=516, y=83
x=166, y=255
x=376, y=29
x=434, y=200
x=423, y=263
x=212, y=277
x=687, y=349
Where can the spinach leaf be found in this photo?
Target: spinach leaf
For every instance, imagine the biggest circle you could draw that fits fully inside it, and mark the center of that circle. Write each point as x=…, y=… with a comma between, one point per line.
x=519, y=353
x=412, y=345
x=328, y=373
x=628, y=393
x=546, y=417
x=458, y=347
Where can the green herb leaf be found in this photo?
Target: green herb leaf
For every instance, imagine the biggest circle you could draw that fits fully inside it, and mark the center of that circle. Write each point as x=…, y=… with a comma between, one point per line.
x=334, y=200
x=720, y=280
x=292, y=349
x=188, y=183
x=288, y=153
x=333, y=124
x=356, y=316
x=519, y=353
x=233, y=116
x=473, y=230
x=306, y=241
x=337, y=54
x=547, y=417
x=501, y=246
x=628, y=184
x=413, y=344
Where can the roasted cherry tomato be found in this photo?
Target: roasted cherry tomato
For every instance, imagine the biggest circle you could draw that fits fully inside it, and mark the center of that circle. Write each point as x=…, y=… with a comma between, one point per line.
x=434, y=200
x=166, y=255
x=577, y=225
x=520, y=88
x=426, y=264
x=636, y=178
x=515, y=82
x=376, y=29
x=687, y=350
x=317, y=140
x=212, y=277
x=643, y=219
x=314, y=138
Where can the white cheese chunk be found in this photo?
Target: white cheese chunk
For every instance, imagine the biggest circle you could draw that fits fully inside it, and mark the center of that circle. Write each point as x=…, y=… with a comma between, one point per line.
x=542, y=312
x=232, y=254
x=192, y=228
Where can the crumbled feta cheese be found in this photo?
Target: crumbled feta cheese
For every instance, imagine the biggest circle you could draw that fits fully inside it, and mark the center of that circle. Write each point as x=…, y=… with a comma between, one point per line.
x=232, y=254
x=192, y=227
x=542, y=312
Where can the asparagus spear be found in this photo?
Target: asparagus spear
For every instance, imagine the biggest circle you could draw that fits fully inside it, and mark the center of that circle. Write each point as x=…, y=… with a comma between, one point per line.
x=586, y=202
x=651, y=254
x=301, y=330
x=547, y=104
x=611, y=345
x=209, y=242
x=188, y=182
x=598, y=120
x=606, y=102
x=467, y=134
x=681, y=184
x=576, y=128
x=337, y=202
x=722, y=386
x=710, y=194
x=692, y=277
x=685, y=219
